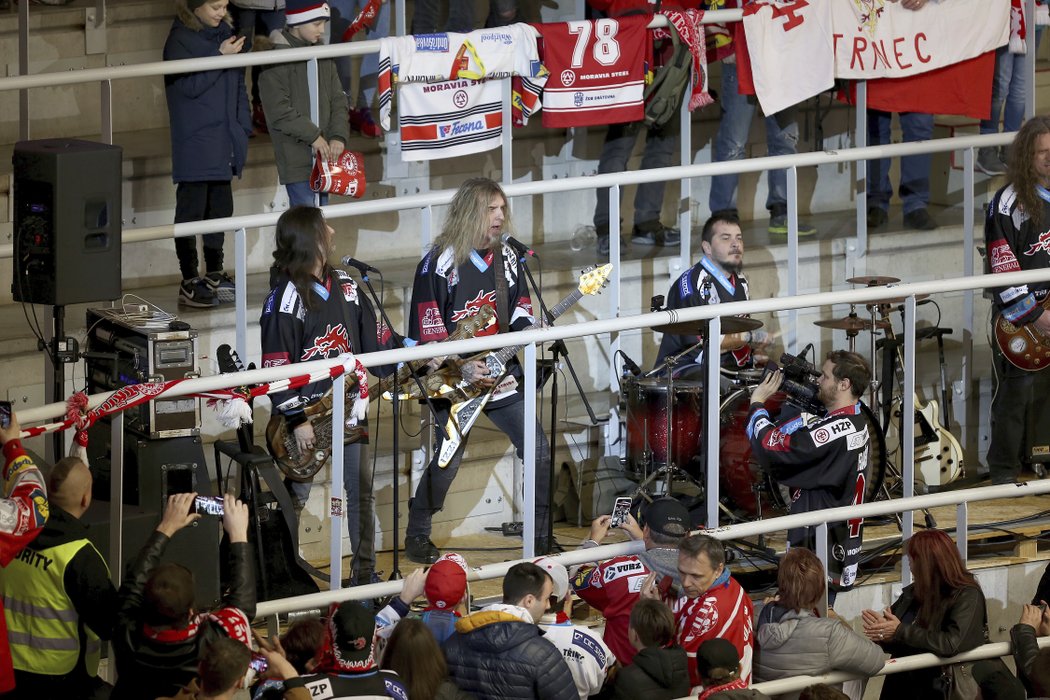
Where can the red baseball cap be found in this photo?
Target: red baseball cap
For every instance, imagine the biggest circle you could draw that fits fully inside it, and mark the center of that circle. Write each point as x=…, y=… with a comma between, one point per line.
x=446, y=582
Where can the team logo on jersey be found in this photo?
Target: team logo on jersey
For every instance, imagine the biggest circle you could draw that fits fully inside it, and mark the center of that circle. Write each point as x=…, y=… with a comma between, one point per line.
x=460, y=98
x=568, y=77
x=334, y=338
x=1043, y=244
x=275, y=359
x=431, y=327
x=473, y=306
x=704, y=621
x=432, y=42
x=349, y=292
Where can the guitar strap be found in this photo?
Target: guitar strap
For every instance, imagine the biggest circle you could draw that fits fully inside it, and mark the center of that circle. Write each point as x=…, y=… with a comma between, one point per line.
x=502, y=302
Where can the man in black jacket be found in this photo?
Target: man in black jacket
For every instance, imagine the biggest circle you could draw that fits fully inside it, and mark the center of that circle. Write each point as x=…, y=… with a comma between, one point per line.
x=159, y=634
x=499, y=652
x=823, y=459
x=62, y=571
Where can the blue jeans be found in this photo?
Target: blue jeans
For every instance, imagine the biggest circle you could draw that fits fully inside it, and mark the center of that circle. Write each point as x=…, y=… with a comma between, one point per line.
x=425, y=17
x=659, y=151
x=915, y=170
x=1009, y=87
x=348, y=10
x=359, y=510
x=300, y=195
x=433, y=487
x=738, y=111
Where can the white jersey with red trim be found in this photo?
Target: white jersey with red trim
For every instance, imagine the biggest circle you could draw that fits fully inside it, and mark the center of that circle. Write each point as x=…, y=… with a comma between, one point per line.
x=725, y=612
x=599, y=71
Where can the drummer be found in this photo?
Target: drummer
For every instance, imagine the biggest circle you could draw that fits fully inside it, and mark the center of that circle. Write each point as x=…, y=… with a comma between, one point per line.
x=715, y=279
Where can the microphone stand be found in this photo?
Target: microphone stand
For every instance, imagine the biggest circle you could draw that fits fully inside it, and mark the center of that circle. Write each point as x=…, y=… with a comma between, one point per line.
x=557, y=349
x=395, y=572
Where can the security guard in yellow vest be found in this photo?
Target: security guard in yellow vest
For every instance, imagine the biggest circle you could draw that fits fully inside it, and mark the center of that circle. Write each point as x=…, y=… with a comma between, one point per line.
x=59, y=599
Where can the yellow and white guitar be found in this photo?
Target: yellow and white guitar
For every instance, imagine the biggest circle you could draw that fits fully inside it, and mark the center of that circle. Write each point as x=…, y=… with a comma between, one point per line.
x=468, y=400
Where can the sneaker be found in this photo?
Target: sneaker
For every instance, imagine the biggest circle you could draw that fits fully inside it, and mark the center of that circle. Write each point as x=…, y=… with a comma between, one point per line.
x=361, y=120
x=602, y=237
x=655, y=234
x=988, y=161
x=196, y=293
x=221, y=286
x=877, y=217
x=778, y=223
x=920, y=220
x=421, y=550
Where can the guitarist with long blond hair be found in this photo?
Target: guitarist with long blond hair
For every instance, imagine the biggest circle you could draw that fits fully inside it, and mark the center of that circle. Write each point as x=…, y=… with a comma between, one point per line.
x=1017, y=236
x=314, y=312
x=467, y=268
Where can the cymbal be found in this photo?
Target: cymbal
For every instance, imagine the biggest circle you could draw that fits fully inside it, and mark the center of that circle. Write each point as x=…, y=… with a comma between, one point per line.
x=898, y=300
x=730, y=324
x=873, y=280
x=851, y=324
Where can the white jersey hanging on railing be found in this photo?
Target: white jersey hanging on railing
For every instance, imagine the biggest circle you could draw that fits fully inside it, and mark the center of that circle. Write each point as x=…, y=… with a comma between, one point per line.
x=449, y=92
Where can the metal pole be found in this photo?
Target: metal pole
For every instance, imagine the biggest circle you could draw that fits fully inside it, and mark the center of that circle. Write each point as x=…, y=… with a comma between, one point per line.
x=528, y=472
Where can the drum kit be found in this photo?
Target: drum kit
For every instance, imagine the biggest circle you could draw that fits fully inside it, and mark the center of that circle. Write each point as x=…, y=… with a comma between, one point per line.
x=665, y=419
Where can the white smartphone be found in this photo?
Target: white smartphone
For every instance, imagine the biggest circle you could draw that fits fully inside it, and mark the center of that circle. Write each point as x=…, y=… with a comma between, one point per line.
x=621, y=509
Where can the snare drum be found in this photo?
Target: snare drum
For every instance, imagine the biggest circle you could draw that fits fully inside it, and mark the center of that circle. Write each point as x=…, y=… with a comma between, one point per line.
x=647, y=422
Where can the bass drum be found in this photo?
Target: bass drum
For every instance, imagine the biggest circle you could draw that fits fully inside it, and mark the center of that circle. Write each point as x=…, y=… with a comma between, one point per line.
x=647, y=423
x=746, y=487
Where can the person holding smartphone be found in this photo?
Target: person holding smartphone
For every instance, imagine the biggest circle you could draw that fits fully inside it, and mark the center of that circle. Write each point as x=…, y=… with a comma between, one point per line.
x=23, y=512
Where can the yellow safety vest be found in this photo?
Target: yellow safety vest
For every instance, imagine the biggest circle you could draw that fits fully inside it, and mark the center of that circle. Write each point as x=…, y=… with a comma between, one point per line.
x=42, y=625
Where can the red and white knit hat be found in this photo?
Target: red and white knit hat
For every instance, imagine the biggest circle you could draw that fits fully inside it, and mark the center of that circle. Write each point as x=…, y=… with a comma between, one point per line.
x=304, y=11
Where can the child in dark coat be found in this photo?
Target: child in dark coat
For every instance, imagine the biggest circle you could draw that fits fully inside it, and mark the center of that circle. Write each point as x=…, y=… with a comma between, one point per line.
x=659, y=670
x=210, y=124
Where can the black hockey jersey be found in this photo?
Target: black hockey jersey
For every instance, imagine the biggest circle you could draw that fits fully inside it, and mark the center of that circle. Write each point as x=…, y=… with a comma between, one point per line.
x=1014, y=243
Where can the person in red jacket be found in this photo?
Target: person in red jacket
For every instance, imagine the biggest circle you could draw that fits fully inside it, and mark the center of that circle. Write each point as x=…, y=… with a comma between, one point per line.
x=714, y=605
x=23, y=512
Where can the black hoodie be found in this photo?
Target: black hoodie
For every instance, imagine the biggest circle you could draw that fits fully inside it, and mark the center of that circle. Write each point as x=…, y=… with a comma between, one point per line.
x=655, y=674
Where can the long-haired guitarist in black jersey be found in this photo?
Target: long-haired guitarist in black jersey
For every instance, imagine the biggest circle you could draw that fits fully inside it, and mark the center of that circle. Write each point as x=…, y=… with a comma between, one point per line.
x=315, y=312
x=456, y=278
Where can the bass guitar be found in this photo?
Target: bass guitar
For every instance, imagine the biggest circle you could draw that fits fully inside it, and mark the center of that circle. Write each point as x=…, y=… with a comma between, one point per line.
x=938, y=455
x=467, y=399
x=1023, y=347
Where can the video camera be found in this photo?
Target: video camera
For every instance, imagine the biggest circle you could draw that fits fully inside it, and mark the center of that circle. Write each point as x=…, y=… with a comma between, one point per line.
x=799, y=382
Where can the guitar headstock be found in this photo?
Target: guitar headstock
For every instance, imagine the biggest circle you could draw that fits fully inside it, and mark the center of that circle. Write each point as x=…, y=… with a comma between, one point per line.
x=593, y=279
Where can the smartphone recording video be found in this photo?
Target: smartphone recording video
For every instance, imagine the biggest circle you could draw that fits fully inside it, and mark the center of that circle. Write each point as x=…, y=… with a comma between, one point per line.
x=5, y=414
x=258, y=663
x=208, y=505
x=621, y=509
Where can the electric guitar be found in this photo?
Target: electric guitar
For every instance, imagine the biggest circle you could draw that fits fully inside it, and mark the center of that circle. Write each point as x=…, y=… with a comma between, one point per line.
x=938, y=455
x=301, y=466
x=1023, y=346
x=469, y=400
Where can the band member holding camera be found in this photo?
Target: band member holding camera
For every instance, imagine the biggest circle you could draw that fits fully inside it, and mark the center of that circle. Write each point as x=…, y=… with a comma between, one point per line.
x=822, y=458
x=457, y=277
x=715, y=279
x=1015, y=233
x=315, y=312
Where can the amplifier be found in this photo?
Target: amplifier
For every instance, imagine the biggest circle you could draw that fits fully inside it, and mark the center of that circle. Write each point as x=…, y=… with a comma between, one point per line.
x=125, y=349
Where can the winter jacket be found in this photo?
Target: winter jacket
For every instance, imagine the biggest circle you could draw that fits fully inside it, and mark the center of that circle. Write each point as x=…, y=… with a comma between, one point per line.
x=1026, y=648
x=286, y=101
x=157, y=665
x=496, y=654
x=208, y=110
x=450, y=691
x=87, y=585
x=655, y=674
x=958, y=626
x=801, y=643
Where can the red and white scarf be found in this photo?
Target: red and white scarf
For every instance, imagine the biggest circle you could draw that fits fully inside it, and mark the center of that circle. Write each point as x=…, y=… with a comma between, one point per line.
x=691, y=31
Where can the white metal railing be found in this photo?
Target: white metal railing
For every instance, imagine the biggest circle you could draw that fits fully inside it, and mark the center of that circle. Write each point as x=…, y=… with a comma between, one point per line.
x=531, y=338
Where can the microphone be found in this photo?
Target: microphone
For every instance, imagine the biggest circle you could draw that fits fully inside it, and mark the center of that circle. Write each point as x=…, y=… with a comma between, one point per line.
x=900, y=307
x=631, y=366
x=363, y=268
x=518, y=246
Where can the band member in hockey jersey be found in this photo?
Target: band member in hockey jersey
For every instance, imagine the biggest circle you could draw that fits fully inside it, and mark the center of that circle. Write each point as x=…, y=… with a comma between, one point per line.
x=717, y=278
x=1017, y=236
x=823, y=459
x=315, y=312
x=468, y=268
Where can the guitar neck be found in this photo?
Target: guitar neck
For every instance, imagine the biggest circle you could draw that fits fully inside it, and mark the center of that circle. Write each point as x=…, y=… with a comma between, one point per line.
x=564, y=305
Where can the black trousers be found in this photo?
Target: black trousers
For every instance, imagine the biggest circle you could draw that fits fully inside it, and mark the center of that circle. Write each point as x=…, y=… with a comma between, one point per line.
x=1019, y=395
x=199, y=201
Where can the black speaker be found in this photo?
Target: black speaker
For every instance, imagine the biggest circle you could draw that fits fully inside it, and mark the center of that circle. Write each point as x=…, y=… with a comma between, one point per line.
x=67, y=221
x=196, y=547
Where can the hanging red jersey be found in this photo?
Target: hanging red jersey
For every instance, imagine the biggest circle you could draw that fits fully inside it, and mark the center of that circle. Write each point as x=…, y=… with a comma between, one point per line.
x=597, y=71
